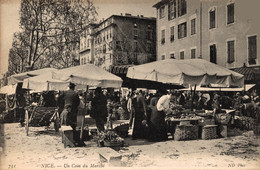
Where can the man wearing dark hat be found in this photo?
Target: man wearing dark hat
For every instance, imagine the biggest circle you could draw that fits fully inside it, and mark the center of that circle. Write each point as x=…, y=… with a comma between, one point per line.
x=69, y=114
x=99, y=109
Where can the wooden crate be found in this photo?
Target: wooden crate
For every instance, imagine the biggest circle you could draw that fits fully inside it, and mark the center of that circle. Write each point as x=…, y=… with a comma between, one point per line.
x=209, y=132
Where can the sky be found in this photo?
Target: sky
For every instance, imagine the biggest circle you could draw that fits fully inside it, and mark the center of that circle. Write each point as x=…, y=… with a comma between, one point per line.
x=9, y=19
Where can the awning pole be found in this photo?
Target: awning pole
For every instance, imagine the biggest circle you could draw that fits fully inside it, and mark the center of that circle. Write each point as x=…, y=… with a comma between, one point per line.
x=83, y=120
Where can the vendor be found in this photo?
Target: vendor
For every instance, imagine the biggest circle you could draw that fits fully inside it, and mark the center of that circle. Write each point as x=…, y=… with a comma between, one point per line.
x=99, y=109
x=158, y=127
x=69, y=114
x=140, y=118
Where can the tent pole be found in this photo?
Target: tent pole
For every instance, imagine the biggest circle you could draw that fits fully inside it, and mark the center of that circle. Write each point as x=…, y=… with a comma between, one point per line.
x=83, y=120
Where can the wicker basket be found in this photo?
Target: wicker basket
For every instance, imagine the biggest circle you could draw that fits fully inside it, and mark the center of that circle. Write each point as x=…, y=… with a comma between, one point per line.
x=209, y=132
x=186, y=132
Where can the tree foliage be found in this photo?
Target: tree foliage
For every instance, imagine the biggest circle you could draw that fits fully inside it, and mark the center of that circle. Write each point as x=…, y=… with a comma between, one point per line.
x=50, y=32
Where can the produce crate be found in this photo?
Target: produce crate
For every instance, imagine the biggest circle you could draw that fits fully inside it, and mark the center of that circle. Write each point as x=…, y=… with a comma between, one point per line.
x=186, y=132
x=209, y=132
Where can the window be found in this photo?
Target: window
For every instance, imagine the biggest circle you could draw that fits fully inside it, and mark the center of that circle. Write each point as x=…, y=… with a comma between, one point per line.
x=104, y=48
x=110, y=46
x=182, y=30
x=84, y=60
x=230, y=51
x=149, y=35
x=163, y=36
x=212, y=18
x=193, y=53
x=172, y=56
x=230, y=13
x=135, y=46
x=172, y=9
x=172, y=34
x=148, y=47
x=110, y=58
x=88, y=42
x=161, y=12
x=135, y=34
x=118, y=46
x=181, y=7
x=193, y=26
x=182, y=55
x=213, y=53
x=252, y=49
x=163, y=57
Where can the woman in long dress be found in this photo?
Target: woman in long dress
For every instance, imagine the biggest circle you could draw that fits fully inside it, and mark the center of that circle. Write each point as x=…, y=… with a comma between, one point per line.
x=158, y=127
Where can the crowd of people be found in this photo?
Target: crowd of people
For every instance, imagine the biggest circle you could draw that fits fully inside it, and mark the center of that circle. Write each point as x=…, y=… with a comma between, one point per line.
x=146, y=111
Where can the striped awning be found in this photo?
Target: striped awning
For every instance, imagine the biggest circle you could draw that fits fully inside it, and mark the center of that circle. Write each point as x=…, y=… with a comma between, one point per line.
x=250, y=73
x=121, y=69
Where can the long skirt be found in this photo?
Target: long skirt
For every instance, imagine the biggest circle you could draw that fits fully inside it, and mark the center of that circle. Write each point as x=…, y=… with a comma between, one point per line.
x=158, y=126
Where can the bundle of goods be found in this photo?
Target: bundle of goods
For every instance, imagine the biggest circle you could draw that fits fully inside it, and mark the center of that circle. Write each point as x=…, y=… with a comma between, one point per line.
x=223, y=118
x=186, y=132
x=176, y=109
x=206, y=121
x=209, y=132
x=183, y=116
x=122, y=130
x=244, y=122
x=204, y=113
x=110, y=138
x=122, y=114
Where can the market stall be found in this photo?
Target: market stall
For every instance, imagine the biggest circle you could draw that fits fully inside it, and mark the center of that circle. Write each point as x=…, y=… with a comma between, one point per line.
x=83, y=77
x=188, y=123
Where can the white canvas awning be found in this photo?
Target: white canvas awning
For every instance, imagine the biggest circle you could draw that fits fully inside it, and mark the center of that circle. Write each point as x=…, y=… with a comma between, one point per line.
x=18, y=78
x=186, y=72
x=88, y=74
x=80, y=75
x=9, y=89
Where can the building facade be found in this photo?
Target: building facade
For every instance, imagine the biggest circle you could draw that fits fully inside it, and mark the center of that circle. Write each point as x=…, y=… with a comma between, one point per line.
x=224, y=32
x=119, y=40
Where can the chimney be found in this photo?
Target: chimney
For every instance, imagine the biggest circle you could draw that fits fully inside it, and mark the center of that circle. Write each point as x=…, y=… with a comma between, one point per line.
x=141, y=16
x=127, y=14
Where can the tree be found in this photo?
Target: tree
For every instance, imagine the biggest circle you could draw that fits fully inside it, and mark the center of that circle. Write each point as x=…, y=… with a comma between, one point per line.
x=51, y=28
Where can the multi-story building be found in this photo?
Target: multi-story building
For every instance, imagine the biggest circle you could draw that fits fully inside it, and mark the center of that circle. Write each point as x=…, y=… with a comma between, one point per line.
x=224, y=32
x=119, y=40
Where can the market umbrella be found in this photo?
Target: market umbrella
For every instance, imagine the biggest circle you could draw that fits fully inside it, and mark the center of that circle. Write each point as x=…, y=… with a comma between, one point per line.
x=8, y=89
x=186, y=72
x=18, y=78
x=90, y=75
x=44, y=82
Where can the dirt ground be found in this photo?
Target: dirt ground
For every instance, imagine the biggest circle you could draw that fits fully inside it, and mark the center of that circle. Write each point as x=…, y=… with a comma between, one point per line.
x=43, y=149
